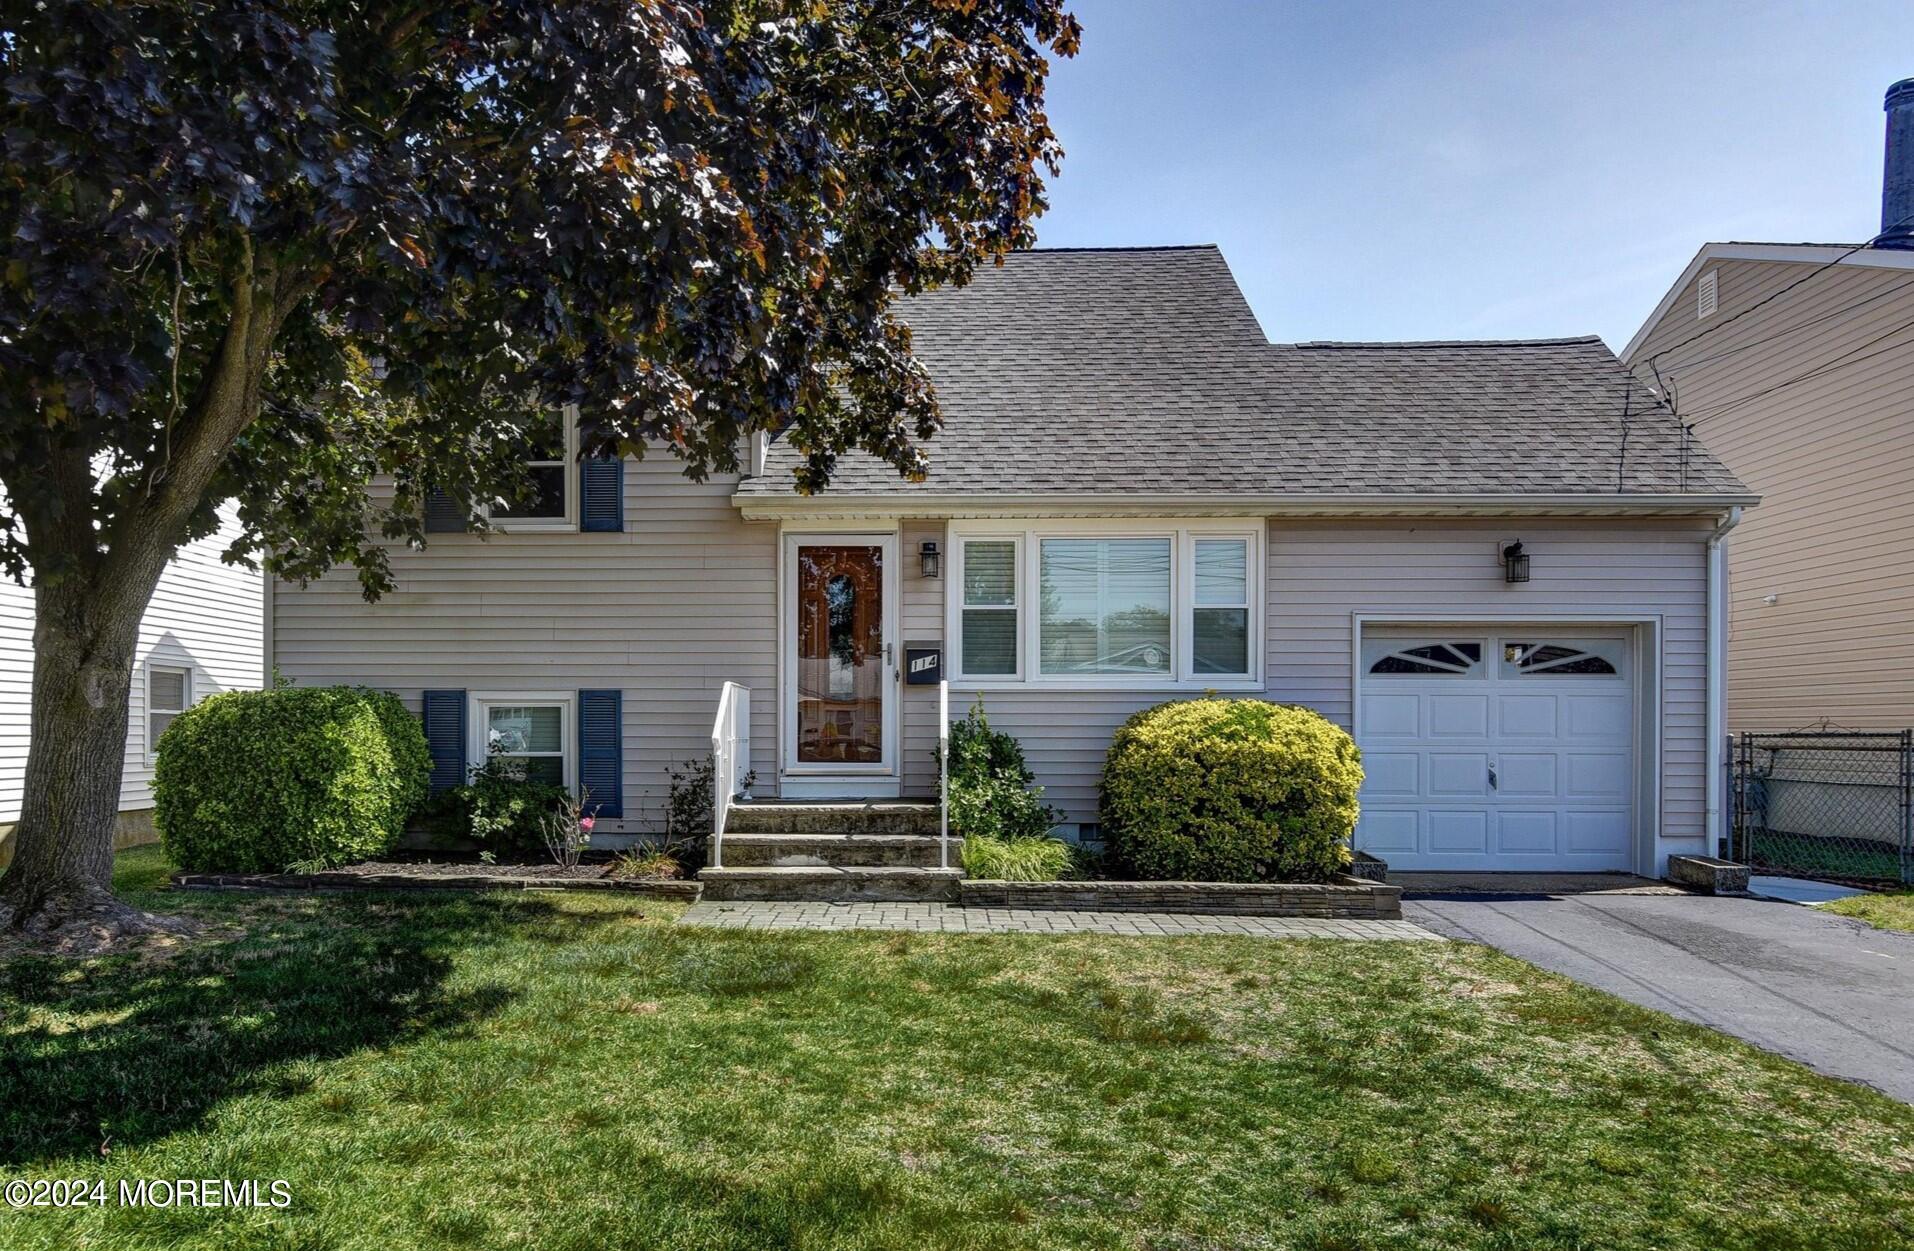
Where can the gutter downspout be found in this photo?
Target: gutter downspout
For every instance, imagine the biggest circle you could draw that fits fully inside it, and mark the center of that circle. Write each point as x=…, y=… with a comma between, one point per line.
x=1717, y=666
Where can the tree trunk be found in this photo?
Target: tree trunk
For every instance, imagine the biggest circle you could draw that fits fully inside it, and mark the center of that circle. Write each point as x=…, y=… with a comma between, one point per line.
x=58, y=888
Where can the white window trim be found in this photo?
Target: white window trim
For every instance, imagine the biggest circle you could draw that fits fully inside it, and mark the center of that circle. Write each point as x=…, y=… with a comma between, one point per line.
x=154, y=667
x=958, y=553
x=1181, y=532
x=478, y=746
x=1186, y=612
x=521, y=525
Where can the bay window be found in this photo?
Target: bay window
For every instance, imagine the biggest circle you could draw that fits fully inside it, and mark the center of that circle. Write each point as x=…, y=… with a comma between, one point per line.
x=1090, y=605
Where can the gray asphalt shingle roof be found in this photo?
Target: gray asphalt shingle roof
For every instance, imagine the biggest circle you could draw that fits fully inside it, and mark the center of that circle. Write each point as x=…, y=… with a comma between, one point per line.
x=1094, y=372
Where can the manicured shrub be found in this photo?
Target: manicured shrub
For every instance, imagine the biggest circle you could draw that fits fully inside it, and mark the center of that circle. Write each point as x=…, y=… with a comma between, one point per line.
x=260, y=781
x=1230, y=790
x=991, y=791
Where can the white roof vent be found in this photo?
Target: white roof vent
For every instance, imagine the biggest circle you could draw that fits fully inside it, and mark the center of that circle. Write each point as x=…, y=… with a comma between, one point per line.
x=1706, y=296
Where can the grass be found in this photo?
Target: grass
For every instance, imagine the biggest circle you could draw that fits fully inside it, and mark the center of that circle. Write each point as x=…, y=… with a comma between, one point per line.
x=1017, y=859
x=1888, y=911
x=571, y=1071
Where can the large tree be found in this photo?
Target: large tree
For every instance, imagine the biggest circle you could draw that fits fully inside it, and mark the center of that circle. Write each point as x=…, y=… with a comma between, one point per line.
x=256, y=254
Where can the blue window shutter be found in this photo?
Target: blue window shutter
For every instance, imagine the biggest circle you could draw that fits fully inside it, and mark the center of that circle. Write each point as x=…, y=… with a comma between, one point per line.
x=443, y=515
x=601, y=750
x=444, y=716
x=601, y=493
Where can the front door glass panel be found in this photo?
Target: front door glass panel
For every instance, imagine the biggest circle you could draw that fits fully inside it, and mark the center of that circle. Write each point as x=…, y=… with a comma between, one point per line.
x=840, y=654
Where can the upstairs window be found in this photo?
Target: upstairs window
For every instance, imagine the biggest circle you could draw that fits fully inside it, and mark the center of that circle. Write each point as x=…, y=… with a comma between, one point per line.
x=169, y=692
x=548, y=458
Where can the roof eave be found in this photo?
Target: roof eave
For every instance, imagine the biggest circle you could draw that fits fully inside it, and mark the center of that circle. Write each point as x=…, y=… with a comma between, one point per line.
x=1058, y=504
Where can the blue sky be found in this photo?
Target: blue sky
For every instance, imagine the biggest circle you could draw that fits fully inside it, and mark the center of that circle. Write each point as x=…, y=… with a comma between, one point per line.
x=1470, y=170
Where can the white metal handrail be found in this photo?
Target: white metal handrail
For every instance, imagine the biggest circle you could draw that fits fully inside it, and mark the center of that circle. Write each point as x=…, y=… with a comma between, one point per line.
x=730, y=760
x=943, y=775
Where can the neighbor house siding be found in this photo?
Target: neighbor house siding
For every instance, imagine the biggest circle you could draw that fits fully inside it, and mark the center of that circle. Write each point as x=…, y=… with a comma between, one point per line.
x=204, y=614
x=666, y=610
x=1832, y=457
x=1321, y=574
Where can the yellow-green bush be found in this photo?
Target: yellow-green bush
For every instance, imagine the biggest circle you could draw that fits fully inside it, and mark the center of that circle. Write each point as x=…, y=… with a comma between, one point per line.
x=1230, y=790
x=260, y=781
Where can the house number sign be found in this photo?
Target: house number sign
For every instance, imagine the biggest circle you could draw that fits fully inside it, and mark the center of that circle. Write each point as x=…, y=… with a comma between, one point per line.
x=923, y=664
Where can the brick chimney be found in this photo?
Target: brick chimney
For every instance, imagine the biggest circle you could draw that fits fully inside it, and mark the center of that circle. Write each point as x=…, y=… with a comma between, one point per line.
x=1897, y=179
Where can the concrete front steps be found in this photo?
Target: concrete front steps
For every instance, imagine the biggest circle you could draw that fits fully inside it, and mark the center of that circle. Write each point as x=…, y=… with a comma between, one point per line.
x=832, y=852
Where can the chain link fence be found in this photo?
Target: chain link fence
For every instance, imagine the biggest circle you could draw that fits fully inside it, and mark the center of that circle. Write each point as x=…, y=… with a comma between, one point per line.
x=1831, y=804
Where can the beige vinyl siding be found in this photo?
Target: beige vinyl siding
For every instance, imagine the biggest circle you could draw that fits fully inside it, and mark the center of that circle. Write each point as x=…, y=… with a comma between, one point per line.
x=683, y=600
x=1833, y=459
x=205, y=615
x=1321, y=574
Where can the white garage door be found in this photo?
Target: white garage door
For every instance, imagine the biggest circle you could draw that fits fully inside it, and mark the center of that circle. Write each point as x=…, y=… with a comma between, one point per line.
x=1505, y=751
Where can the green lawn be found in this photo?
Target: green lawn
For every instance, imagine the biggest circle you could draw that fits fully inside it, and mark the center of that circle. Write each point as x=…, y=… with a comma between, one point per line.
x=567, y=1071
x=1883, y=912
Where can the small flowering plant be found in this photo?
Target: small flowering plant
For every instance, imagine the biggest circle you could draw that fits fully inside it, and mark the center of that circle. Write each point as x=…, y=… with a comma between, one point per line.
x=567, y=829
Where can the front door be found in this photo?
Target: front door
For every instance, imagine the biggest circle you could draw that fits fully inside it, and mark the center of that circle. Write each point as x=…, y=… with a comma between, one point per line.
x=840, y=665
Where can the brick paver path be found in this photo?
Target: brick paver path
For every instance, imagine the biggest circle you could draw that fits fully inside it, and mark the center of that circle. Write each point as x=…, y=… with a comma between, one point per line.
x=953, y=919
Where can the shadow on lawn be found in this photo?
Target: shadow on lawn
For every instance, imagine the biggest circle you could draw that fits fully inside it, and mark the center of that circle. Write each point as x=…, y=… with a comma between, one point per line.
x=127, y=1050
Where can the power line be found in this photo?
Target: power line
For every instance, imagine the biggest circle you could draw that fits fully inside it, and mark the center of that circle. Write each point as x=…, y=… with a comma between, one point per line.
x=1785, y=331
x=1849, y=357
x=1772, y=296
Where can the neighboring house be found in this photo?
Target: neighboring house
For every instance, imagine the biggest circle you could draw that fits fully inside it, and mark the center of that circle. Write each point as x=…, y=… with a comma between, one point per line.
x=203, y=633
x=1794, y=362
x=1136, y=498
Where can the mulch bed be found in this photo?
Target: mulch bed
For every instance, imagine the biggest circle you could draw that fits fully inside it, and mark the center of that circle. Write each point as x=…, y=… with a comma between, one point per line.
x=444, y=875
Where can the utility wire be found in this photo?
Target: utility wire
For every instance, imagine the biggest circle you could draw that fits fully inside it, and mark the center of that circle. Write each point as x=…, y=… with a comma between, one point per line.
x=1783, y=333
x=1849, y=357
x=1772, y=296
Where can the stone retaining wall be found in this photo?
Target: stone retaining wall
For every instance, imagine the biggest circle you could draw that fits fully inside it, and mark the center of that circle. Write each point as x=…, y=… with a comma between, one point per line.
x=1344, y=897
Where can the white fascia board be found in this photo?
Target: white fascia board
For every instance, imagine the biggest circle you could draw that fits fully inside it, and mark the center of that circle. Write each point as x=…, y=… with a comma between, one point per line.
x=791, y=507
x=1786, y=253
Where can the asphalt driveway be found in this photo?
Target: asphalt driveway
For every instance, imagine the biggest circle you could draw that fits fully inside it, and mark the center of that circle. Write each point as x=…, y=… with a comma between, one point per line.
x=1829, y=992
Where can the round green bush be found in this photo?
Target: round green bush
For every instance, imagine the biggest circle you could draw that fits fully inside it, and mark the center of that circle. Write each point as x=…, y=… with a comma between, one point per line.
x=260, y=781
x=1230, y=790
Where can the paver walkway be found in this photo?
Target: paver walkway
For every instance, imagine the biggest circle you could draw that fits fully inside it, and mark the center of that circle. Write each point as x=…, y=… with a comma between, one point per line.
x=953, y=919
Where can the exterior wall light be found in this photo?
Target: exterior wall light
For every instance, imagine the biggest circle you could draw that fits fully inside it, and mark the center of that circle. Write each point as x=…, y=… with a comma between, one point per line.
x=927, y=560
x=1515, y=563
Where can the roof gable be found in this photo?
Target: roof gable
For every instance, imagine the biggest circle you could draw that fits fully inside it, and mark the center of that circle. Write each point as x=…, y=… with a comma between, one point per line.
x=1858, y=255
x=1127, y=371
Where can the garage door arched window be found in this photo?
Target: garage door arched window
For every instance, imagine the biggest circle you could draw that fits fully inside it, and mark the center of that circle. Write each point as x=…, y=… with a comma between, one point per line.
x=1424, y=659
x=1594, y=658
